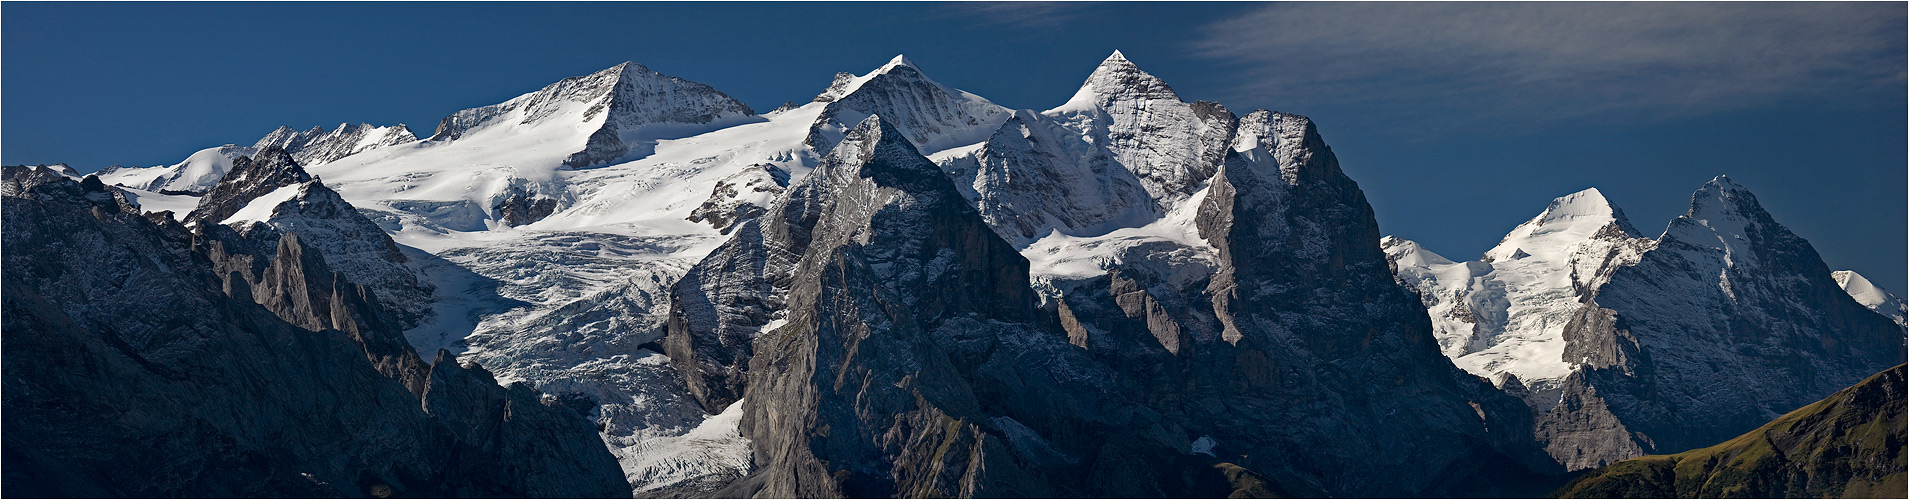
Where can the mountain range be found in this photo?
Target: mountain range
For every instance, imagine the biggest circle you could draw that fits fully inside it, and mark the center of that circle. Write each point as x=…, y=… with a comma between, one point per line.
x=895, y=288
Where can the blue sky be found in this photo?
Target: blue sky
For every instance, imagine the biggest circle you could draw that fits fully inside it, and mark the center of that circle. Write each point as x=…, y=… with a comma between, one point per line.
x=1458, y=120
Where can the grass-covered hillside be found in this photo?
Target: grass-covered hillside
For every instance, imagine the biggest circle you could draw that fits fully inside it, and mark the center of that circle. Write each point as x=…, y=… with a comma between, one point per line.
x=1848, y=445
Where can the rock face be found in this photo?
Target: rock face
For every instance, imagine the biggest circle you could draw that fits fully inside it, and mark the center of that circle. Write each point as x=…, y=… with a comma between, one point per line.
x=742, y=196
x=1873, y=297
x=1729, y=322
x=1849, y=445
x=626, y=105
x=1173, y=147
x=315, y=146
x=145, y=372
x=894, y=347
x=1625, y=346
x=1311, y=328
x=250, y=178
x=859, y=391
x=269, y=195
x=1036, y=175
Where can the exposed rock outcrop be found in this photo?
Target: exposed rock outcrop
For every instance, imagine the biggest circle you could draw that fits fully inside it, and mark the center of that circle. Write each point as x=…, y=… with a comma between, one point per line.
x=143, y=371
x=270, y=195
x=1729, y=322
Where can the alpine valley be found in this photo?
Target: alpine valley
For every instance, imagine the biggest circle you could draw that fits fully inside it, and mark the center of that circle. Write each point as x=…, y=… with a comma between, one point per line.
x=627, y=283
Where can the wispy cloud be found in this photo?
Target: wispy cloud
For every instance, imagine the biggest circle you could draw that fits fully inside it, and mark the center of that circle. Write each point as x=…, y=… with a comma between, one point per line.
x=1021, y=14
x=1564, y=59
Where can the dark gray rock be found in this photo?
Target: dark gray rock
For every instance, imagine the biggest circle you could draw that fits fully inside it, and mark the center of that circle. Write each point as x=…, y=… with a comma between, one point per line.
x=1730, y=322
x=902, y=333
x=135, y=368
x=250, y=178
x=350, y=242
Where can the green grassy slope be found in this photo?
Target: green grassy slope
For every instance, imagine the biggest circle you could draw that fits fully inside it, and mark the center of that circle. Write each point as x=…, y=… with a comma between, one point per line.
x=1849, y=445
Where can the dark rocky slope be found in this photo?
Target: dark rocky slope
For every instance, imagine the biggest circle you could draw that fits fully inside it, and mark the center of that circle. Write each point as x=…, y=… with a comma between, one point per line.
x=1730, y=321
x=144, y=360
x=349, y=242
x=885, y=342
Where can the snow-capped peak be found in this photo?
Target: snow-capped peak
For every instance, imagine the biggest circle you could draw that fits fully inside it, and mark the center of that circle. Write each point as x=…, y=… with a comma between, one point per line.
x=1722, y=198
x=1408, y=253
x=848, y=83
x=1117, y=79
x=1505, y=314
x=622, y=98
x=1723, y=214
x=1566, y=222
x=933, y=116
x=1872, y=296
x=1172, y=146
x=1587, y=206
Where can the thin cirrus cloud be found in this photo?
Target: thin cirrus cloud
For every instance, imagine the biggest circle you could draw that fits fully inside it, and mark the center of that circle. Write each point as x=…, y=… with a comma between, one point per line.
x=1562, y=59
x=1021, y=14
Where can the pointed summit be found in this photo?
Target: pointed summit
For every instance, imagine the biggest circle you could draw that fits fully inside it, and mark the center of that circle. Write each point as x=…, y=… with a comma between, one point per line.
x=1565, y=225
x=1725, y=216
x=882, y=152
x=1587, y=206
x=932, y=116
x=1116, y=80
x=1725, y=286
x=622, y=106
x=1172, y=146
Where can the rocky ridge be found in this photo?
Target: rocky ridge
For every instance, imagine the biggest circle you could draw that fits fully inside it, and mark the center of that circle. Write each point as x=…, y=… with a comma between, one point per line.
x=1657, y=378
x=623, y=103
x=933, y=116
x=1503, y=316
x=750, y=302
x=126, y=344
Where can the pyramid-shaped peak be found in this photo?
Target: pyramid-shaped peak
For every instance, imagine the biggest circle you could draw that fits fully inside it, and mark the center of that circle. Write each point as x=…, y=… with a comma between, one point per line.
x=1118, y=62
x=1723, y=183
x=1584, y=207
x=1587, y=202
x=1722, y=197
x=848, y=83
x=871, y=136
x=1117, y=79
x=879, y=150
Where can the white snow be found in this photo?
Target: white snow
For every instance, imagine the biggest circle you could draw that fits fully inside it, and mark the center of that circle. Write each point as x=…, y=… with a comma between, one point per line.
x=1872, y=296
x=151, y=202
x=1060, y=256
x=1506, y=313
x=133, y=177
x=197, y=173
x=260, y=208
x=716, y=444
